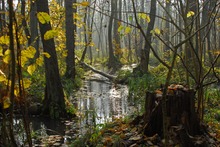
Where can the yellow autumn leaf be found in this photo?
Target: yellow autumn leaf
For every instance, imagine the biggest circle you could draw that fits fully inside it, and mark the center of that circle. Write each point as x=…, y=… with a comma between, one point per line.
x=29, y=52
x=4, y=40
x=43, y=17
x=75, y=5
x=46, y=54
x=190, y=13
x=76, y=16
x=91, y=44
x=64, y=53
x=144, y=16
x=50, y=34
x=84, y=3
x=120, y=28
x=31, y=68
x=23, y=60
x=7, y=56
x=2, y=78
x=26, y=82
x=127, y=30
x=157, y=31
x=6, y=102
x=16, y=92
x=39, y=61
x=148, y=18
x=1, y=51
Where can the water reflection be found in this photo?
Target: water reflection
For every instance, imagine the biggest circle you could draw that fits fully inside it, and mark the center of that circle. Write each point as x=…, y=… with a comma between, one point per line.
x=102, y=100
x=97, y=102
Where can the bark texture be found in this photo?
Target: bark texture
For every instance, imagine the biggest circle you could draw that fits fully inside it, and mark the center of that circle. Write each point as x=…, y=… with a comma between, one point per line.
x=181, y=114
x=53, y=104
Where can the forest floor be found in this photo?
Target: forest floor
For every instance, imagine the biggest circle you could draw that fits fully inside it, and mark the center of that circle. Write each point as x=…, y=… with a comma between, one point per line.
x=121, y=133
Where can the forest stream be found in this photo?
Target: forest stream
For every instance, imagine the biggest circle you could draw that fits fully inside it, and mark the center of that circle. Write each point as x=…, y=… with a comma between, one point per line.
x=98, y=101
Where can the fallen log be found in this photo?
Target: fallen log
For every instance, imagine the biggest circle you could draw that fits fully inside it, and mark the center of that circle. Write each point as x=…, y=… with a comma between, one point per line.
x=109, y=76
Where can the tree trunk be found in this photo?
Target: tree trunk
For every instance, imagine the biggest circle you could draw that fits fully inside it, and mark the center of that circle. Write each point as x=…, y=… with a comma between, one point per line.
x=24, y=23
x=2, y=17
x=34, y=28
x=53, y=103
x=13, y=75
x=116, y=40
x=167, y=29
x=70, y=39
x=146, y=51
x=112, y=59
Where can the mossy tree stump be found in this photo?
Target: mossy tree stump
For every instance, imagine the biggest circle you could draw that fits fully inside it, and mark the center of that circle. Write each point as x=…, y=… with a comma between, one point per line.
x=180, y=103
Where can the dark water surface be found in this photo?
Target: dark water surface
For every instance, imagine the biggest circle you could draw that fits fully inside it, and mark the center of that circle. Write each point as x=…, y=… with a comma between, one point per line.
x=97, y=102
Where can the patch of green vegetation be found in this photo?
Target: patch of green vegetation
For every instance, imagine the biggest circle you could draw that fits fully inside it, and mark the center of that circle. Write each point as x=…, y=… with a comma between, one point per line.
x=108, y=134
x=69, y=85
x=37, y=86
x=123, y=75
x=212, y=96
x=139, y=85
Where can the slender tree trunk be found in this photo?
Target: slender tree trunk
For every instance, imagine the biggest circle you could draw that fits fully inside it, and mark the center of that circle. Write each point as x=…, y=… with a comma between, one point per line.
x=116, y=40
x=24, y=23
x=112, y=59
x=34, y=38
x=146, y=51
x=85, y=36
x=53, y=103
x=167, y=28
x=12, y=74
x=70, y=39
x=142, y=25
x=2, y=17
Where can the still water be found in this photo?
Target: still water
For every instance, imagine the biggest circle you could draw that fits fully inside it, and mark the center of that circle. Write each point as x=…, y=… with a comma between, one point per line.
x=97, y=102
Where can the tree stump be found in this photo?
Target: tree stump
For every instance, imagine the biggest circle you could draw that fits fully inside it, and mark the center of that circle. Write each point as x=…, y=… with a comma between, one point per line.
x=180, y=103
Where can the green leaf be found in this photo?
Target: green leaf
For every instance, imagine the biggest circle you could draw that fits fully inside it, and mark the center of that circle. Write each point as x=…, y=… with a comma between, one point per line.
x=43, y=17
x=130, y=18
x=50, y=34
x=190, y=13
